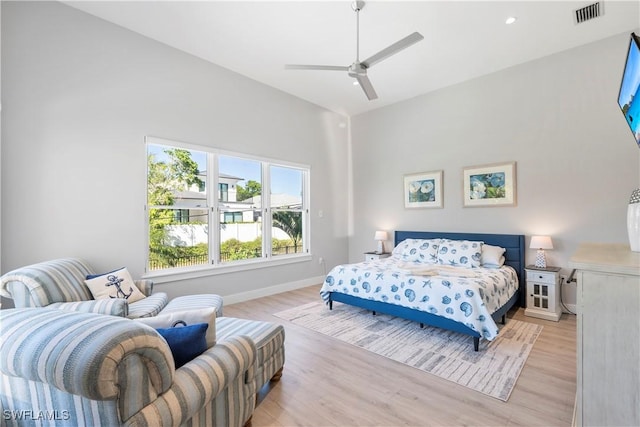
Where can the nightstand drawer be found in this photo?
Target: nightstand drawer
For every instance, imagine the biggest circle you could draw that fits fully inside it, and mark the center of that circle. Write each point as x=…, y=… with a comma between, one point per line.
x=372, y=256
x=542, y=276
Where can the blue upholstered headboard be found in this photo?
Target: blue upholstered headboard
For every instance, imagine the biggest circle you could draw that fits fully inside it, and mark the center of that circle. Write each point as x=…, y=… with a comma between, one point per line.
x=513, y=243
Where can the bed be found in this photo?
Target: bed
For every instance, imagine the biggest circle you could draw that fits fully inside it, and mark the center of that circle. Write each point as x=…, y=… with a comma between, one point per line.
x=465, y=300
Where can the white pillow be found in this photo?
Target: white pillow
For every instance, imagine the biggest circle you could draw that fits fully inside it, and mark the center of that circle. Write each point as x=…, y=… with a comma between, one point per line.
x=190, y=317
x=418, y=250
x=492, y=255
x=115, y=284
x=498, y=265
x=460, y=253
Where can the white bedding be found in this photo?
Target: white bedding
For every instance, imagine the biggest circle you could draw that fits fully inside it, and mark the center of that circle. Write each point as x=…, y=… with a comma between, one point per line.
x=466, y=295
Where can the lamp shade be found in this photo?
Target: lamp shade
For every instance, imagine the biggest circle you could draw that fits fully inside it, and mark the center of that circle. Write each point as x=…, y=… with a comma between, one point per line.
x=541, y=242
x=381, y=235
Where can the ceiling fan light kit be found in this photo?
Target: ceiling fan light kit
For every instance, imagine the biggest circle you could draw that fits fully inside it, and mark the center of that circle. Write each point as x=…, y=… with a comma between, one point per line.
x=358, y=69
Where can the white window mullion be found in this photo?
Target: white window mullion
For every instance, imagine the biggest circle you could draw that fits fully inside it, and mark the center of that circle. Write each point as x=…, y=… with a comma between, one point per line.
x=306, y=211
x=214, y=217
x=267, y=221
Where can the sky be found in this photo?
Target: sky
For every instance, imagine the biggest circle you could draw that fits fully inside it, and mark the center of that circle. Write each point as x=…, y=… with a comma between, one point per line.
x=284, y=180
x=631, y=78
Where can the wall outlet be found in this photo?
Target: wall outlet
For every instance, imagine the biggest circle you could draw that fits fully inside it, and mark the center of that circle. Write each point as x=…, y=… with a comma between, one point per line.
x=320, y=260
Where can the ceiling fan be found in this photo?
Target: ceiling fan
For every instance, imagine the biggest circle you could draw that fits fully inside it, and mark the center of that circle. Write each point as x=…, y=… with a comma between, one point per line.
x=359, y=68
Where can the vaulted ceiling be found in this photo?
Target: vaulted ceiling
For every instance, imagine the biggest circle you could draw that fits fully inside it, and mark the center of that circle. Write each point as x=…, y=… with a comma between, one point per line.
x=462, y=39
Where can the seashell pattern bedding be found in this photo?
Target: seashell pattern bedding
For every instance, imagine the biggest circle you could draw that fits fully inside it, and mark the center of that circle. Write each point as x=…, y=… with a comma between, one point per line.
x=466, y=295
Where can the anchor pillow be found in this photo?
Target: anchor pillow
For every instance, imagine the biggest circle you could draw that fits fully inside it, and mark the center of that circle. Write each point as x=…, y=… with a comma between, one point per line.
x=115, y=284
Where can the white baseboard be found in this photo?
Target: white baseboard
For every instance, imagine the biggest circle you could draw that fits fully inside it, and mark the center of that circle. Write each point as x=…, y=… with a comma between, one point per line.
x=272, y=290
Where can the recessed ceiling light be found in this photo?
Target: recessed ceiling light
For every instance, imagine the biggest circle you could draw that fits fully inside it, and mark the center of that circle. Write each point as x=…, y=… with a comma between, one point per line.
x=355, y=83
x=510, y=20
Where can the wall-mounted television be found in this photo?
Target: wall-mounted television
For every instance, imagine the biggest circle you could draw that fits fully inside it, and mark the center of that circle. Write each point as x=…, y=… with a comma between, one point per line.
x=629, y=95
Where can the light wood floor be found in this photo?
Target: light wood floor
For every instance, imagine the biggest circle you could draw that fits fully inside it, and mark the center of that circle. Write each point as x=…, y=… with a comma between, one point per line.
x=330, y=383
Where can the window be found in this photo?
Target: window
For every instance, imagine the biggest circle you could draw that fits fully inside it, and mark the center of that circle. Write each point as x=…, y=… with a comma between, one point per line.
x=287, y=216
x=230, y=217
x=240, y=239
x=189, y=227
x=178, y=213
x=182, y=215
x=224, y=192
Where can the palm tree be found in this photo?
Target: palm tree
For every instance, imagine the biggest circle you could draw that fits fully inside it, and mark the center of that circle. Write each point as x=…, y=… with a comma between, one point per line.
x=291, y=223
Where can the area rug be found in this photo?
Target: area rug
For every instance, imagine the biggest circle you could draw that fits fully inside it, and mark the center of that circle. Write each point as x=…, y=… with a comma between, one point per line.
x=493, y=370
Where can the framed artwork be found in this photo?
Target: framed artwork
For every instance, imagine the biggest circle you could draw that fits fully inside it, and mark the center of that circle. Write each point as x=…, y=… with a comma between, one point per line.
x=423, y=190
x=490, y=185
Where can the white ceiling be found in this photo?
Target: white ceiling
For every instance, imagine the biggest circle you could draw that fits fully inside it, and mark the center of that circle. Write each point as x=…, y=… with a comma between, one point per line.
x=462, y=39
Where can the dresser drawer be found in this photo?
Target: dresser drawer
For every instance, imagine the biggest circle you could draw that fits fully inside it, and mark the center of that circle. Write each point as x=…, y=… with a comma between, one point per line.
x=541, y=276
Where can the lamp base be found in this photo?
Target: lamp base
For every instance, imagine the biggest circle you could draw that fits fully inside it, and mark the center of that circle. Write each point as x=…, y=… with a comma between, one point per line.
x=380, y=248
x=633, y=221
x=541, y=260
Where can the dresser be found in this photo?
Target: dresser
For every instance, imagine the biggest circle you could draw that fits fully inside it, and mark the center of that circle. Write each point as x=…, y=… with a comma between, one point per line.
x=608, y=335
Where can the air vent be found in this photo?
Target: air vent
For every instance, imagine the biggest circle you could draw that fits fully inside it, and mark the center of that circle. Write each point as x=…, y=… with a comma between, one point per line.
x=589, y=12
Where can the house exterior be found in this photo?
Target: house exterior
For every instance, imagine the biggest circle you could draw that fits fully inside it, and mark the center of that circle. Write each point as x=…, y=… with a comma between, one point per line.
x=240, y=220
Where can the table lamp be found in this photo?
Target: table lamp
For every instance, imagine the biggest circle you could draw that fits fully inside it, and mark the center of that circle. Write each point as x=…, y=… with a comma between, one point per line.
x=541, y=243
x=380, y=236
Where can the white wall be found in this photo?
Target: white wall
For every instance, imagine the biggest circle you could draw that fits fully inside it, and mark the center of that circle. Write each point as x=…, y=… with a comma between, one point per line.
x=80, y=94
x=557, y=117
x=0, y=141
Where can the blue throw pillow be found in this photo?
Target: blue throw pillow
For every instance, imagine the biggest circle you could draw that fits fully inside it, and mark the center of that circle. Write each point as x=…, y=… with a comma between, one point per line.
x=186, y=342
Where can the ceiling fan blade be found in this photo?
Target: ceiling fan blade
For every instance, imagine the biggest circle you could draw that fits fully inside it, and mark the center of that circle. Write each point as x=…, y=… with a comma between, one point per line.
x=315, y=67
x=367, y=87
x=393, y=49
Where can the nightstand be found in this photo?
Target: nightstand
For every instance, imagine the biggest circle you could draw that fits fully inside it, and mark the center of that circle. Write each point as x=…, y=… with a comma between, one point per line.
x=543, y=293
x=372, y=256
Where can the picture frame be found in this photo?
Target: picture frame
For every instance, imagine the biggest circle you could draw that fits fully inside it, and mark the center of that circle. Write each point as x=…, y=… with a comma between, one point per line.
x=423, y=190
x=490, y=185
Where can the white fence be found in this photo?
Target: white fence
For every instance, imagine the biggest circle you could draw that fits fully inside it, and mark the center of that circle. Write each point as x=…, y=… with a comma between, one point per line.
x=192, y=234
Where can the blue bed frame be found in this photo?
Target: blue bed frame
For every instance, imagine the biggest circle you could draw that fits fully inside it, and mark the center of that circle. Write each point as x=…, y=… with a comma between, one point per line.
x=514, y=256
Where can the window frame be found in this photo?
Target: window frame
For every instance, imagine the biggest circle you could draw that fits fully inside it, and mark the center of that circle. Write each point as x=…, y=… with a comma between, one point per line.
x=303, y=218
x=215, y=266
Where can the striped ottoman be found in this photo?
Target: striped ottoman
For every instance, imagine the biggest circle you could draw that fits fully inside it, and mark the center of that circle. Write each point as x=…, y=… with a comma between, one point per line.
x=194, y=302
x=269, y=340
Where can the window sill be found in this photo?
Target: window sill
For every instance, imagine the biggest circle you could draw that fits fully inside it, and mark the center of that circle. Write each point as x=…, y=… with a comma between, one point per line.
x=166, y=276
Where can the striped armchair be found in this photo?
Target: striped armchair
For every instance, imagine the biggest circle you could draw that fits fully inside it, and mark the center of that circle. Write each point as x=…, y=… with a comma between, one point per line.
x=81, y=369
x=60, y=284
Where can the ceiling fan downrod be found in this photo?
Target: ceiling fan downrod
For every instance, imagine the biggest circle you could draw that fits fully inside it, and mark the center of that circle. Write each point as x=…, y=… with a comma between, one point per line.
x=357, y=6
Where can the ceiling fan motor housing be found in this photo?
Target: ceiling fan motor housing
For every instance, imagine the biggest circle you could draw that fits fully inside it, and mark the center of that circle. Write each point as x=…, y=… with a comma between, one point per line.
x=357, y=69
